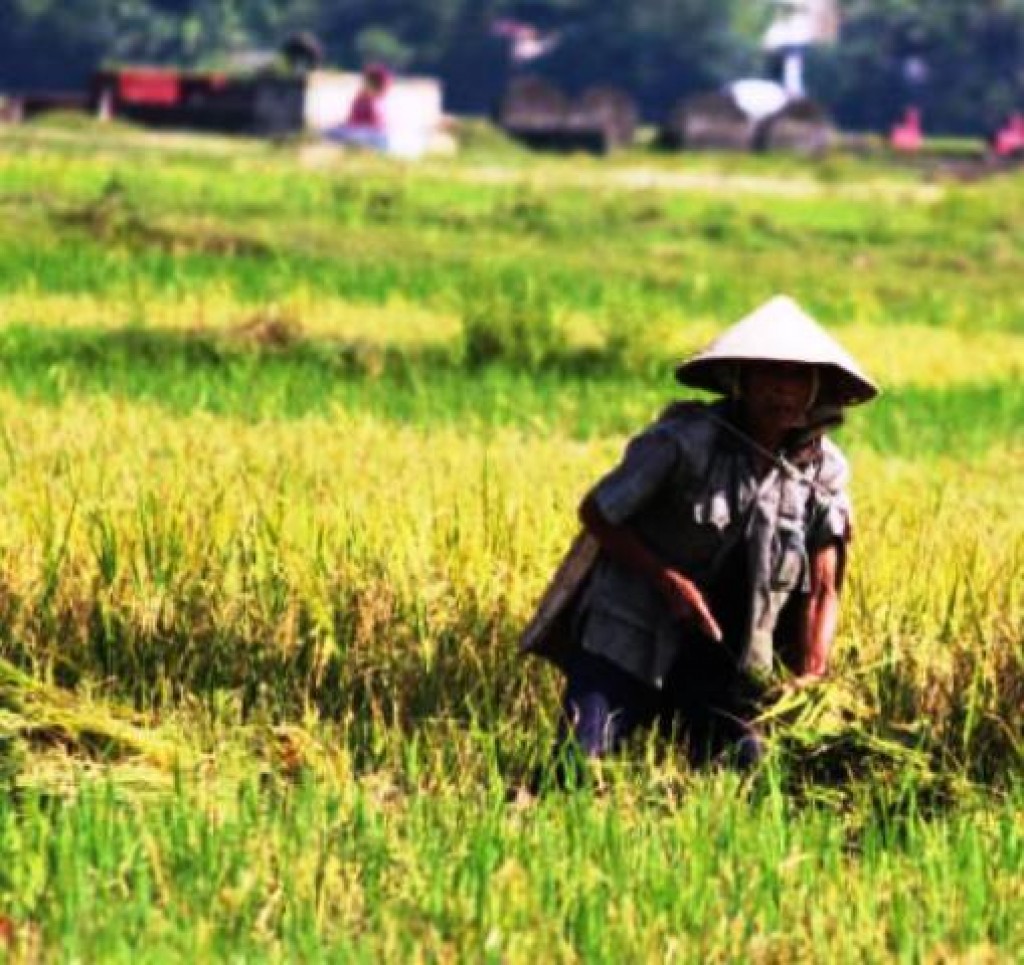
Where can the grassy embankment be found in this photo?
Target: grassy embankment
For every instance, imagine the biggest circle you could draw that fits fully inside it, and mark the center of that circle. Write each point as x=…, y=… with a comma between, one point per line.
x=289, y=454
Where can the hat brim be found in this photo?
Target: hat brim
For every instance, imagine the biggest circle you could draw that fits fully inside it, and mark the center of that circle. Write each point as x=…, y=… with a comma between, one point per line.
x=838, y=386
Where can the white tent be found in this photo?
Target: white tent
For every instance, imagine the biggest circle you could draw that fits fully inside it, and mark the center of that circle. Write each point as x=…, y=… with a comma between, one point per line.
x=802, y=23
x=758, y=99
x=799, y=24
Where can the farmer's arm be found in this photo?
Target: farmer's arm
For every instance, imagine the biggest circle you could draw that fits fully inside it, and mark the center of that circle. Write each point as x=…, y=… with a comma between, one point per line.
x=621, y=544
x=820, y=611
x=828, y=543
x=651, y=461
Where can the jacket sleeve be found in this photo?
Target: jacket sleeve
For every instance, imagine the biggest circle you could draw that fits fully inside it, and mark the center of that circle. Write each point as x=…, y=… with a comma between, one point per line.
x=647, y=464
x=832, y=511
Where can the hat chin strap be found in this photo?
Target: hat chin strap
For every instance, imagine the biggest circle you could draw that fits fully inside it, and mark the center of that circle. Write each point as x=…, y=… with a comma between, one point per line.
x=812, y=398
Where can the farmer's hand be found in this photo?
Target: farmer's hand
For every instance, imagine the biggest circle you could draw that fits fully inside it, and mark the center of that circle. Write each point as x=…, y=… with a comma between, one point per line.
x=803, y=681
x=687, y=603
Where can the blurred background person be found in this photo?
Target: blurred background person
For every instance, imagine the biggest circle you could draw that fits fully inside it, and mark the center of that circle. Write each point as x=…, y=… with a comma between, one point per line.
x=367, y=123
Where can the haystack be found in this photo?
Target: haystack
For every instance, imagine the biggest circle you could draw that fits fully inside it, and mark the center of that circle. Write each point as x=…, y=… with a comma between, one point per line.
x=802, y=127
x=532, y=103
x=710, y=121
x=610, y=110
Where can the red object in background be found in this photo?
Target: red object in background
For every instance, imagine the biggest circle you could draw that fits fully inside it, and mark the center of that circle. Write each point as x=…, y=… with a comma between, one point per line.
x=367, y=111
x=161, y=87
x=907, y=135
x=378, y=76
x=1010, y=140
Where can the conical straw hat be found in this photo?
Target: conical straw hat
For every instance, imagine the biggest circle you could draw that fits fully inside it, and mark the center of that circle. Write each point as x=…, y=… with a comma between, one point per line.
x=779, y=331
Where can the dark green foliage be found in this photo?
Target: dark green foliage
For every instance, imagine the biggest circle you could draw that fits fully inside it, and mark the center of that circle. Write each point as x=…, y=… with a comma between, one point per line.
x=656, y=50
x=972, y=54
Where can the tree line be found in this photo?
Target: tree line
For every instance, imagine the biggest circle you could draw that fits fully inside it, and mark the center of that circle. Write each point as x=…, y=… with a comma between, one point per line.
x=963, y=63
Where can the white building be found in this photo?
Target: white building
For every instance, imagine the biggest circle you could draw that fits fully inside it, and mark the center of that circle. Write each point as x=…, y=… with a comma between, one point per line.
x=797, y=25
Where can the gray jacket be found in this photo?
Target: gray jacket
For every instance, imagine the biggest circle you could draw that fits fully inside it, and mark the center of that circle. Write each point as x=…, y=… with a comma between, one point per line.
x=688, y=488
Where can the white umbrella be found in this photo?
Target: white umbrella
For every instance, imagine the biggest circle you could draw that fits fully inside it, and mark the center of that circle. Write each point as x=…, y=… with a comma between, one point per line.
x=757, y=98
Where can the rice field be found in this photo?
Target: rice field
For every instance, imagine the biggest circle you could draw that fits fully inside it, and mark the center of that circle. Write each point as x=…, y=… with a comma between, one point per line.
x=288, y=453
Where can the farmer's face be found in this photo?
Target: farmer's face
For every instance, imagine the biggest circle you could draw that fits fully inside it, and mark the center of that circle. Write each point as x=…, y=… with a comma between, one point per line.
x=778, y=394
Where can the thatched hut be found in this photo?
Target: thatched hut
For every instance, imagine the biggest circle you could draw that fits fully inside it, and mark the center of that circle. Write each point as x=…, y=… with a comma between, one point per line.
x=537, y=113
x=803, y=126
x=10, y=110
x=711, y=121
x=609, y=110
x=532, y=104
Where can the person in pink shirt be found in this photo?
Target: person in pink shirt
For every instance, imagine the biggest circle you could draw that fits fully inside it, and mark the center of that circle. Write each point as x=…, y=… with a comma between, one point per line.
x=368, y=107
x=366, y=124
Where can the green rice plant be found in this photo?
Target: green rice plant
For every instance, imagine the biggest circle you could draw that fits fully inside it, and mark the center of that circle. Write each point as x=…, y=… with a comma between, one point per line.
x=350, y=872
x=510, y=320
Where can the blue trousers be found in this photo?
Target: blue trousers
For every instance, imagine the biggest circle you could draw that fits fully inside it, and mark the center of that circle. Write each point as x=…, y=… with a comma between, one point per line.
x=705, y=702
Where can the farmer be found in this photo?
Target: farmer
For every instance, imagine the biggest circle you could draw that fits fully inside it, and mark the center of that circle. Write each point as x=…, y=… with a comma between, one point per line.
x=714, y=551
x=367, y=123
